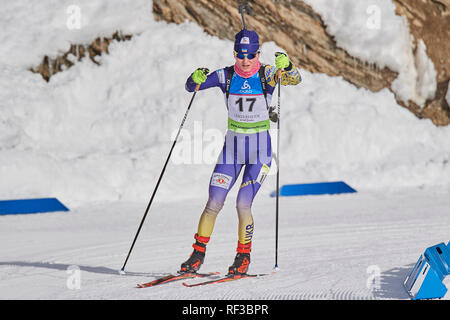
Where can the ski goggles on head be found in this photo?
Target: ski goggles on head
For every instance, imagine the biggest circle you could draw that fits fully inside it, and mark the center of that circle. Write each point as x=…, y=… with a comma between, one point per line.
x=249, y=56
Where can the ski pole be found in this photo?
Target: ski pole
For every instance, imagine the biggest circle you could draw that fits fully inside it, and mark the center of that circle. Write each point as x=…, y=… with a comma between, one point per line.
x=278, y=76
x=206, y=71
x=242, y=8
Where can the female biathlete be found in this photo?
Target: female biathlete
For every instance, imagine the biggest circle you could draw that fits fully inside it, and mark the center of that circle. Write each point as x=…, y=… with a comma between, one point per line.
x=248, y=88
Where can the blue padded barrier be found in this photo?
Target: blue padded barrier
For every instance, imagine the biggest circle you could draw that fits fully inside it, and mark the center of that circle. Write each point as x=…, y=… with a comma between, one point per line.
x=27, y=206
x=314, y=189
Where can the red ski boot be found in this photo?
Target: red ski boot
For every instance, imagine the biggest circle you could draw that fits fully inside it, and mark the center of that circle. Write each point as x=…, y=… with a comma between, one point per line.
x=197, y=257
x=242, y=260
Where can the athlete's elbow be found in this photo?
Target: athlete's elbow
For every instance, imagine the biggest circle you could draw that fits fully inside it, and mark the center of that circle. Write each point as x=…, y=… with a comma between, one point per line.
x=296, y=81
x=189, y=88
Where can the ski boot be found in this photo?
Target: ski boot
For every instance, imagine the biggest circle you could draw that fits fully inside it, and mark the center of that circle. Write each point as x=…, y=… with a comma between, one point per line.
x=241, y=261
x=193, y=264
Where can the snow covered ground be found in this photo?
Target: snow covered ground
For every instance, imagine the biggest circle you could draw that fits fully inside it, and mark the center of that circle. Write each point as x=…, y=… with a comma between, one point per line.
x=96, y=138
x=356, y=246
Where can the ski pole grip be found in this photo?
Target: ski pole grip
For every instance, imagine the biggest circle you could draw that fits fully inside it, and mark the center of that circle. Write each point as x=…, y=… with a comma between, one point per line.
x=278, y=72
x=206, y=72
x=278, y=75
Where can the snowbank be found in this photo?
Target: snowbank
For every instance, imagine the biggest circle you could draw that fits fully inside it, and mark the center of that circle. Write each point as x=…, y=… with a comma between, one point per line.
x=447, y=97
x=371, y=30
x=31, y=29
x=103, y=133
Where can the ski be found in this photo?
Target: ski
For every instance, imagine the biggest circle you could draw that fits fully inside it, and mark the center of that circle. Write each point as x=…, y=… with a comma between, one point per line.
x=174, y=277
x=227, y=278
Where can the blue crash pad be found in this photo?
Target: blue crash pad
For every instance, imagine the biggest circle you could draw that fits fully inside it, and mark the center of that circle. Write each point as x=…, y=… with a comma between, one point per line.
x=314, y=189
x=26, y=206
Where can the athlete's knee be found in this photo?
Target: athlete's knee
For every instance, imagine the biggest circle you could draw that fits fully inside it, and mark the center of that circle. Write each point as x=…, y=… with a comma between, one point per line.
x=244, y=209
x=214, y=206
x=244, y=203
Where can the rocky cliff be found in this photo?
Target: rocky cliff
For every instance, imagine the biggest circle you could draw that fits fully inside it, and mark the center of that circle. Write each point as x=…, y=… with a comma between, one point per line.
x=294, y=26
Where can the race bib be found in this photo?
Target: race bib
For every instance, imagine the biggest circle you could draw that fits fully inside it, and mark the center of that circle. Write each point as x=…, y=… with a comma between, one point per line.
x=247, y=109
